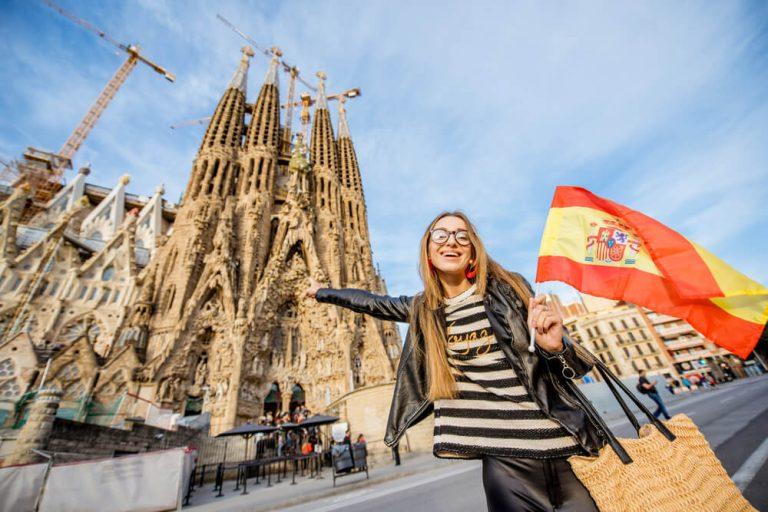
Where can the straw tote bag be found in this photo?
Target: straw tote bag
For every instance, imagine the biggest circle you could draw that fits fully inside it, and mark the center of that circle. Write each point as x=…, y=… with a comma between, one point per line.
x=669, y=468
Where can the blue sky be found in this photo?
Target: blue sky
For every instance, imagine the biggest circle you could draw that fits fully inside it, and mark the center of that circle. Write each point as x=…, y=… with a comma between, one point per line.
x=481, y=106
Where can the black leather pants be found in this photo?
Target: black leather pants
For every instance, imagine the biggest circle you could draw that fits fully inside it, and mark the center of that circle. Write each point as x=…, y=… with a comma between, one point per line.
x=535, y=485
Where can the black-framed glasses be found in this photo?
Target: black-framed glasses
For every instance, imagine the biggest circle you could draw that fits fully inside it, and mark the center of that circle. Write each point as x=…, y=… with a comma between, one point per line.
x=440, y=236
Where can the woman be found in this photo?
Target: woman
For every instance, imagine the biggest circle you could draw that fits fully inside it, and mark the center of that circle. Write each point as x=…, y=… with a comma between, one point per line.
x=466, y=356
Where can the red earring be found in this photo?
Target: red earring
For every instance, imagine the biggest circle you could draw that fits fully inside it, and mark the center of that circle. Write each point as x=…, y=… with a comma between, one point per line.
x=471, y=271
x=430, y=265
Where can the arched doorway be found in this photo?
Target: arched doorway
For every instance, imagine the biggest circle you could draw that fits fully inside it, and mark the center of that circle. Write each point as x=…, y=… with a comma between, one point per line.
x=272, y=400
x=297, y=398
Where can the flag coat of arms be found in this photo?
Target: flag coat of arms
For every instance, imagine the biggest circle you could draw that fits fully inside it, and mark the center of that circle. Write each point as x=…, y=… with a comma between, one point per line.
x=606, y=249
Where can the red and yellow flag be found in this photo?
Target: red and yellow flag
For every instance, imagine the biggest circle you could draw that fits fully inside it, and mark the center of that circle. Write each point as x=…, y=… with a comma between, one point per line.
x=605, y=249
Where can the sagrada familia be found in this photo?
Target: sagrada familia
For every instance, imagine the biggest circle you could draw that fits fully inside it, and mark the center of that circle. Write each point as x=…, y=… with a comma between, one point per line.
x=124, y=301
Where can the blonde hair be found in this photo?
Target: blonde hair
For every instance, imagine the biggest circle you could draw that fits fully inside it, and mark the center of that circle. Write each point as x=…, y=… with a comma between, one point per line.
x=426, y=316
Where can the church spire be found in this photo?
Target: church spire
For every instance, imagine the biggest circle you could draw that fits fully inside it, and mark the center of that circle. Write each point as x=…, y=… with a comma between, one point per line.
x=265, y=122
x=348, y=166
x=212, y=173
x=226, y=125
x=323, y=147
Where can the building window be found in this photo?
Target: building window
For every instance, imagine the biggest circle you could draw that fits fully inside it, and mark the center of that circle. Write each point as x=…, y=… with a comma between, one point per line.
x=602, y=357
x=108, y=273
x=54, y=288
x=93, y=293
x=589, y=332
x=634, y=321
x=83, y=291
x=631, y=336
x=626, y=352
x=597, y=331
x=643, y=335
x=619, y=338
x=16, y=284
x=613, y=327
x=115, y=296
x=634, y=366
x=658, y=361
x=647, y=364
x=617, y=370
x=624, y=324
x=639, y=350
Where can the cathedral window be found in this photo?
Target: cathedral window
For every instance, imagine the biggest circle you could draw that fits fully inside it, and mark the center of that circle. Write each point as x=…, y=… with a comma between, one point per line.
x=104, y=296
x=92, y=296
x=83, y=291
x=108, y=273
x=6, y=368
x=16, y=284
x=9, y=389
x=41, y=288
x=214, y=173
x=258, y=173
x=115, y=296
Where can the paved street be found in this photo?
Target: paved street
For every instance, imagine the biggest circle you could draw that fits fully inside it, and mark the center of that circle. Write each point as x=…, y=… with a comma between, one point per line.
x=733, y=417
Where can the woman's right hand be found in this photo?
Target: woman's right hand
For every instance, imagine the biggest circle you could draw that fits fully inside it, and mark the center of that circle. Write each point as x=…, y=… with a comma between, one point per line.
x=313, y=287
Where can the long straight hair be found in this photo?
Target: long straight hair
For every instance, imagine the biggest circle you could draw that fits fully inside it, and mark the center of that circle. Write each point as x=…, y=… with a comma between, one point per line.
x=426, y=316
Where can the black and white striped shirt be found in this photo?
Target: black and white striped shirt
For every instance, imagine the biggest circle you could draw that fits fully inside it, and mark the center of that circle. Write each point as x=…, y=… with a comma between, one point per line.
x=493, y=413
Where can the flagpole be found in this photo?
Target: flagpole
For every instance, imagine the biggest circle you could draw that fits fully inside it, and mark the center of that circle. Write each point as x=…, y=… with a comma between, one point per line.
x=532, y=342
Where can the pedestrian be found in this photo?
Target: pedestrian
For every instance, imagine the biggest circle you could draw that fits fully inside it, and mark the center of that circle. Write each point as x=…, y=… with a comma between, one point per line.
x=466, y=356
x=361, y=439
x=686, y=382
x=649, y=388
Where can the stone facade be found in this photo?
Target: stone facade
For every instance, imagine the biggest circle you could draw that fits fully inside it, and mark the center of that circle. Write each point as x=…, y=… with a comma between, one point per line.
x=199, y=307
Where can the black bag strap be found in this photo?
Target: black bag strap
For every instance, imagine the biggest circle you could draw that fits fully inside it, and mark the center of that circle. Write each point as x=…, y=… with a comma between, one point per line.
x=611, y=379
x=627, y=411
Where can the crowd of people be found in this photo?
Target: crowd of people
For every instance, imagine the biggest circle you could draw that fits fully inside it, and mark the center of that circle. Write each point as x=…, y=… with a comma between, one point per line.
x=294, y=441
x=703, y=380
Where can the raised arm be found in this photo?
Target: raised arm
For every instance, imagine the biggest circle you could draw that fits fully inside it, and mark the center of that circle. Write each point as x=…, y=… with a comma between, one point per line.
x=384, y=307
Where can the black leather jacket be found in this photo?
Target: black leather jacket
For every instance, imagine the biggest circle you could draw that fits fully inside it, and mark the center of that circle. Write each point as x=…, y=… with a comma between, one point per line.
x=547, y=376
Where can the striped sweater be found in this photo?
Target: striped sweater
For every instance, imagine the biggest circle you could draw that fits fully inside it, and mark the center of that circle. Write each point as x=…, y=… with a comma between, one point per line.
x=493, y=413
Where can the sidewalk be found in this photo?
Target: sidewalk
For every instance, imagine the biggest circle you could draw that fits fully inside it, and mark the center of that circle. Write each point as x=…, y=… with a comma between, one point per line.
x=262, y=498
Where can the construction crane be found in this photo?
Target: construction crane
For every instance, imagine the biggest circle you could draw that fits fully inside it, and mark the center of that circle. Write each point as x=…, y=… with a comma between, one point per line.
x=80, y=133
x=44, y=170
x=307, y=101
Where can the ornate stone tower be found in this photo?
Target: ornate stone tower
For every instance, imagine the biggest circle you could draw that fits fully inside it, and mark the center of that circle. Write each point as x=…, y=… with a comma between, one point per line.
x=231, y=331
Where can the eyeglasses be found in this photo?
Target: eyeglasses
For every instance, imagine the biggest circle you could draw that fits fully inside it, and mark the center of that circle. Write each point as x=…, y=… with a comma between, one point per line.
x=440, y=236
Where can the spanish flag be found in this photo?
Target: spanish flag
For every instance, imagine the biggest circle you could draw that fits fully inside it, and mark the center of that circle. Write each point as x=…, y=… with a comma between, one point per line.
x=605, y=249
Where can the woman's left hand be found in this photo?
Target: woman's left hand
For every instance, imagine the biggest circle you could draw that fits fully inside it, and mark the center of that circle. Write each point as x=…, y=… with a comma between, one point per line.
x=548, y=324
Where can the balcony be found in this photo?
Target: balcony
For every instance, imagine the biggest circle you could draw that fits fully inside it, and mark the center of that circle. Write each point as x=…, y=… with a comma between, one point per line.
x=682, y=343
x=698, y=354
x=674, y=331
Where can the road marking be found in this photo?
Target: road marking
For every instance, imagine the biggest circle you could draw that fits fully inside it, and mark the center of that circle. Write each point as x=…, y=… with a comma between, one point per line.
x=751, y=466
x=347, y=502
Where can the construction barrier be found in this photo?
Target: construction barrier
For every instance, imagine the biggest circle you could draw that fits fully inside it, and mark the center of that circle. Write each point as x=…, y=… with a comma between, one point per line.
x=20, y=487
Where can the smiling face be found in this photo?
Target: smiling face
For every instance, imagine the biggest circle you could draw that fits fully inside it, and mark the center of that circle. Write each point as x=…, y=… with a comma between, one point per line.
x=450, y=258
